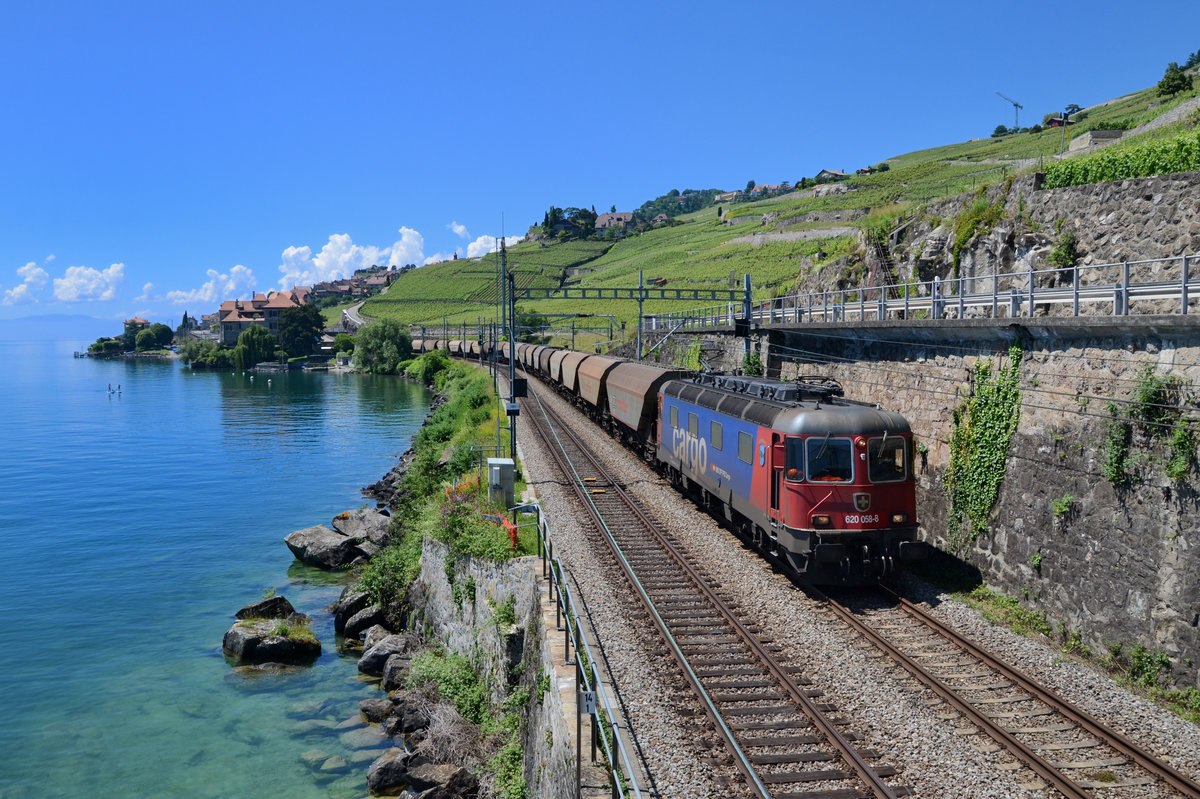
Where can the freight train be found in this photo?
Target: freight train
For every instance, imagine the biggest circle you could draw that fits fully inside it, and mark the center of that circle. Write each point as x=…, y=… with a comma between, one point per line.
x=820, y=481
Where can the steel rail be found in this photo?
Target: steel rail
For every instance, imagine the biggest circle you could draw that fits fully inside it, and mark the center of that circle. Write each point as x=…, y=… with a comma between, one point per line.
x=845, y=749
x=1031, y=759
x=1113, y=739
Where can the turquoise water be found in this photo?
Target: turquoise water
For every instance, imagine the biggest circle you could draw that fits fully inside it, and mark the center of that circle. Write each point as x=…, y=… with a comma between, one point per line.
x=134, y=525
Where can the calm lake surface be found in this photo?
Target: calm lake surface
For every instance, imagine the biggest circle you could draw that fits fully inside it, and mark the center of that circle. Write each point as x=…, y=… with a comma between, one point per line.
x=134, y=525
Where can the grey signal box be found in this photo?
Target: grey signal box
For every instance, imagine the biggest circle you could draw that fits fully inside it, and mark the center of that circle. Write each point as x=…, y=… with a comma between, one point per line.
x=501, y=480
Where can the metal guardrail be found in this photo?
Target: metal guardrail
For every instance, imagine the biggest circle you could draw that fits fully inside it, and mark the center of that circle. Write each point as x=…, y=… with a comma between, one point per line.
x=591, y=696
x=1118, y=286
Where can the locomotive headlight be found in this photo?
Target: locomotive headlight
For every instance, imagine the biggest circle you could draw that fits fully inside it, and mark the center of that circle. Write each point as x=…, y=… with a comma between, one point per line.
x=822, y=520
x=899, y=518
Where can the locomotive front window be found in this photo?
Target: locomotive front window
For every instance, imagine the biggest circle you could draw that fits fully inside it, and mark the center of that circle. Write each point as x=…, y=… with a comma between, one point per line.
x=830, y=460
x=886, y=459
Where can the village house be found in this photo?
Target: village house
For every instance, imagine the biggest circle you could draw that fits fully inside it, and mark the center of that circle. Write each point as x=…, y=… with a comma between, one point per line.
x=237, y=316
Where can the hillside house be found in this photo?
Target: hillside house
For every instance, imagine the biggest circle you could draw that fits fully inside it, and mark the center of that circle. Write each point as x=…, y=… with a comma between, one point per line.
x=831, y=175
x=614, y=220
x=730, y=196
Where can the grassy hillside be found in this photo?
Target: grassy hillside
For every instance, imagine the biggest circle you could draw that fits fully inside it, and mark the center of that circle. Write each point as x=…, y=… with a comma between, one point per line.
x=704, y=251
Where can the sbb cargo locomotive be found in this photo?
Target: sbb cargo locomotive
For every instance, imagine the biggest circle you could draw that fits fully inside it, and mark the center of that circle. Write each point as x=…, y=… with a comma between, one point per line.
x=824, y=482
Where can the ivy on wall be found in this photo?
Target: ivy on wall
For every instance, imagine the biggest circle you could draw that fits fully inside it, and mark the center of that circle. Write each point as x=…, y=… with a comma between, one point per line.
x=979, y=441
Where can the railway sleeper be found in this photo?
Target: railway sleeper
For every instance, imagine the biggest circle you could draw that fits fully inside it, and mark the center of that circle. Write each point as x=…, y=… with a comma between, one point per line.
x=831, y=775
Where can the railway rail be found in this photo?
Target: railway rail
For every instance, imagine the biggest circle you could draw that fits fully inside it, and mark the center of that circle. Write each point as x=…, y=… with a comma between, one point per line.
x=777, y=735
x=1064, y=746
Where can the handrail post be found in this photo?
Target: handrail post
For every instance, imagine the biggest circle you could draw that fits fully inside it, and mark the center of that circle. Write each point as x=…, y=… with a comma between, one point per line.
x=1125, y=288
x=1014, y=304
x=862, y=304
x=1075, y=288
x=1031, y=289
x=962, y=309
x=995, y=294
x=906, y=316
x=1183, y=294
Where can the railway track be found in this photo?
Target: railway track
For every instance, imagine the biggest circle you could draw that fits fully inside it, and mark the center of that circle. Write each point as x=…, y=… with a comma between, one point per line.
x=1060, y=744
x=775, y=733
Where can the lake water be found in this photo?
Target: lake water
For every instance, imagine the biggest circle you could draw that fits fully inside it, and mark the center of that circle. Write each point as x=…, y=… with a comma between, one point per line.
x=134, y=525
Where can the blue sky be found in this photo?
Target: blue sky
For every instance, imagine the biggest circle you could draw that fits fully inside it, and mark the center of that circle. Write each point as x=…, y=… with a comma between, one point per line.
x=158, y=157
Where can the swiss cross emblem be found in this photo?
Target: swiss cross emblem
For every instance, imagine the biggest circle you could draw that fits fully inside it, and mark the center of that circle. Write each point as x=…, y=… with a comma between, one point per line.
x=862, y=502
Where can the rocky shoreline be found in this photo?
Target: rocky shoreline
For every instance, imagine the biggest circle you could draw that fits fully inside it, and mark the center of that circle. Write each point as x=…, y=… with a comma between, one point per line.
x=271, y=636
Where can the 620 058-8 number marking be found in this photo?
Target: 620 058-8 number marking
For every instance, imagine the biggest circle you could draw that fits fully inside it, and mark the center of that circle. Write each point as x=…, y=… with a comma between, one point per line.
x=865, y=518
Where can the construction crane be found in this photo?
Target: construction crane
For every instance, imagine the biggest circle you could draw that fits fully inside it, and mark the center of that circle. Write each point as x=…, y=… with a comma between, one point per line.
x=1016, y=112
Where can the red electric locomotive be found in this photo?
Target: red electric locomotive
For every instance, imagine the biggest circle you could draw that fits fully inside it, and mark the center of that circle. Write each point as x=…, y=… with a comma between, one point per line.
x=825, y=482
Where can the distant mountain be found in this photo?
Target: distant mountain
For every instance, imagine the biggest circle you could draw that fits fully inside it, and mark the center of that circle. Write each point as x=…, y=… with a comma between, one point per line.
x=59, y=327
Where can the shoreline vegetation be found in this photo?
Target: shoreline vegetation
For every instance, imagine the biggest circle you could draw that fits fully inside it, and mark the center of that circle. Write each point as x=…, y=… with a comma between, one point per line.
x=454, y=729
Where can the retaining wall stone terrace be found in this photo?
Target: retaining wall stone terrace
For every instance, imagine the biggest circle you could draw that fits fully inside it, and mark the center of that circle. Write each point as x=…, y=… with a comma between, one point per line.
x=1121, y=564
x=511, y=657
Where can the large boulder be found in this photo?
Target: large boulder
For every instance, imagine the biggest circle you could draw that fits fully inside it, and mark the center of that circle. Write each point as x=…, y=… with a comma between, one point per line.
x=389, y=773
x=461, y=784
x=395, y=670
x=365, y=619
x=328, y=549
x=424, y=775
x=375, y=710
x=376, y=656
x=345, y=606
x=272, y=641
x=275, y=607
x=410, y=712
x=365, y=524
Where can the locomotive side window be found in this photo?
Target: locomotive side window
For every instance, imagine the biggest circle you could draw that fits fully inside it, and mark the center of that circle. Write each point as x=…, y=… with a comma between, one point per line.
x=745, y=448
x=830, y=460
x=886, y=458
x=693, y=425
x=715, y=435
x=794, y=459
x=674, y=416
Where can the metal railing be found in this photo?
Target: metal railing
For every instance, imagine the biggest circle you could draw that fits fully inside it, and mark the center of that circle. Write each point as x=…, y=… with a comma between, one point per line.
x=1112, y=288
x=591, y=696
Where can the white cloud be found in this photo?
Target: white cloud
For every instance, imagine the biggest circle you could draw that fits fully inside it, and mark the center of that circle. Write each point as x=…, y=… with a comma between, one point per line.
x=409, y=249
x=459, y=230
x=219, y=287
x=486, y=244
x=33, y=278
x=147, y=294
x=341, y=256
x=85, y=283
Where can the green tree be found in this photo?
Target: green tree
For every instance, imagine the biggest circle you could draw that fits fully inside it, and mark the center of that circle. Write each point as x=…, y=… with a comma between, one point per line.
x=380, y=346
x=1072, y=108
x=750, y=184
x=255, y=345
x=343, y=342
x=129, y=337
x=1174, y=81
x=999, y=131
x=299, y=327
x=162, y=335
x=1193, y=60
x=145, y=340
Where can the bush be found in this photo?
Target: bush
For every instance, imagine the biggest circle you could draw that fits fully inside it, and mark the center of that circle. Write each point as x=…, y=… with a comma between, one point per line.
x=455, y=679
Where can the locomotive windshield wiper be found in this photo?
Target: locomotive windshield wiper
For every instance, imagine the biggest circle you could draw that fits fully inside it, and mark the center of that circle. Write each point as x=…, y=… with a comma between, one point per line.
x=824, y=445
